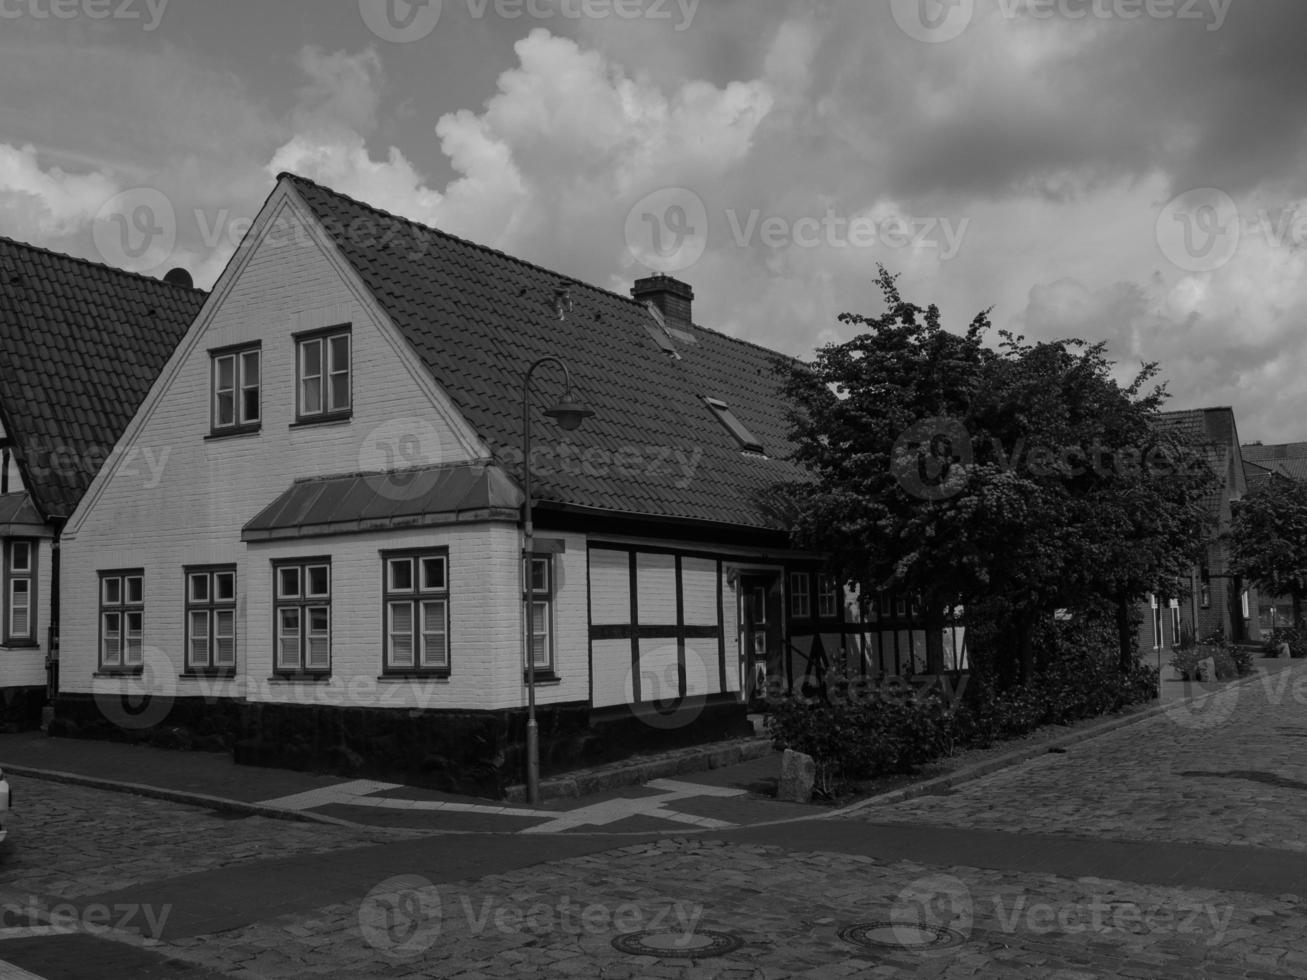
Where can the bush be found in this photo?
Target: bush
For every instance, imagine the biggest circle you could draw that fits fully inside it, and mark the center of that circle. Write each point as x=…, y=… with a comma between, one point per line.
x=1230, y=662
x=1295, y=636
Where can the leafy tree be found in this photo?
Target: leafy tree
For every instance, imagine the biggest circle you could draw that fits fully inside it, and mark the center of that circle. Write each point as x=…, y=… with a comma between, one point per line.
x=1019, y=479
x=1268, y=539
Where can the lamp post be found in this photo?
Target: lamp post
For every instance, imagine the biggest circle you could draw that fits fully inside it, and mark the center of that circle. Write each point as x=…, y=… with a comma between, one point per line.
x=569, y=414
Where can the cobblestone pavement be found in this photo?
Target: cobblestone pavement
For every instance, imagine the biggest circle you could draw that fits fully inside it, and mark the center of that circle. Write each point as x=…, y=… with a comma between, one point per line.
x=70, y=841
x=1232, y=770
x=789, y=911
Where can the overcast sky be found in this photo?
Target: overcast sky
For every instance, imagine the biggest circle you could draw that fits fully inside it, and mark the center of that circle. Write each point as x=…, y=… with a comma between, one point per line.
x=1123, y=170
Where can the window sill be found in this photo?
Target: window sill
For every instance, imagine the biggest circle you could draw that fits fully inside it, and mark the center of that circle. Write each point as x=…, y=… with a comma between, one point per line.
x=234, y=431
x=20, y=645
x=441, y=676
x=317, y=677
x=119, y=672
x=208, y=672
x=331, y=419
x=544, y=679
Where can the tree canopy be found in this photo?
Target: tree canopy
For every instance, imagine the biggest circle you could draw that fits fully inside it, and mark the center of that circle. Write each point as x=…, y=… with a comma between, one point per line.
x=1019, y=478
x=1268, y=539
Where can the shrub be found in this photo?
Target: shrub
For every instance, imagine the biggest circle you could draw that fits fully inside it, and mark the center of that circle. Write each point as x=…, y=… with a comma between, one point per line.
x=1192, y=663
x=1295, y=636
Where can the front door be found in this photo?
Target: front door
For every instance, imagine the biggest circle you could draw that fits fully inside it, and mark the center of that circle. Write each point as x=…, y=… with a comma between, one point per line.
x=761, y=639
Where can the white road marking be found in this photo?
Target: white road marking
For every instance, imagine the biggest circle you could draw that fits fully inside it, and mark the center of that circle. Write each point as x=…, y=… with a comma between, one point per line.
x=10, y=972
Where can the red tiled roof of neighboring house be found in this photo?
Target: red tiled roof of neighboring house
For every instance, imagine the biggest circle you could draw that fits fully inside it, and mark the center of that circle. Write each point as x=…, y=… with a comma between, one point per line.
x=478, y=318
x=1255, y=474
x=80, y=345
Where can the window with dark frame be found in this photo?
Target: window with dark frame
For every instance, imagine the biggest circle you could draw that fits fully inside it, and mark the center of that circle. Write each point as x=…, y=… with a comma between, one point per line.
x=323, y=375
x=122, y=619
x=415, y=588
x=303, y=615
x=828, y=599
x=800, y=596
x=20, y=591
x=541, y=612
x=1175, y=622
x=237, y=380
x=1205, y=590
x=211, y=619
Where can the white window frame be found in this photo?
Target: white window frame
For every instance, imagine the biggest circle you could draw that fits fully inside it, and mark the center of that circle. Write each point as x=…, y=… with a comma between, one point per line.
x=23, y=575
x=328, y=370
x=305, y=604
x=828, y=597
x=416, y=599
x=241, y=417
x=122, y=599
x=213, y=608
x=543, y=623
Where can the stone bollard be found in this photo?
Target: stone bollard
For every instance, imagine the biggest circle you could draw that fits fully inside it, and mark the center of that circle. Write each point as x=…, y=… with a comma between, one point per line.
x=1282, y=651
x=798, y=773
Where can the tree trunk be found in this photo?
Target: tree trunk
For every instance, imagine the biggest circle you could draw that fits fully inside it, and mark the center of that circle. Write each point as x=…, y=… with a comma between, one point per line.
x=1297, y=607
x=1025, y=624
x=1126, y=646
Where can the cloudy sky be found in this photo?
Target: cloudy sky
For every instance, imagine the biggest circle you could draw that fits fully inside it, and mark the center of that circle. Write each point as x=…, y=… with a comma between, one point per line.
x=1123, y=170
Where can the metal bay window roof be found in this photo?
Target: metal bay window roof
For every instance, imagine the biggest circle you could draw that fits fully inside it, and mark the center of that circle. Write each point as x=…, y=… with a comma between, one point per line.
x=416, y=497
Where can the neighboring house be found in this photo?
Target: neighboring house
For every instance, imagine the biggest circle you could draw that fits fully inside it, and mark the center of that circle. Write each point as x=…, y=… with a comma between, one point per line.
x=331, y=570
x=80, y=344
x=1211, y=598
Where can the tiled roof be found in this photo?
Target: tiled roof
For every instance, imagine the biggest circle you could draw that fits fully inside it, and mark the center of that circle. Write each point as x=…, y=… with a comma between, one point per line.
x=18, y=516
x=80, y=345
x=479, y=318
x=1286, y=450
x=375, y=501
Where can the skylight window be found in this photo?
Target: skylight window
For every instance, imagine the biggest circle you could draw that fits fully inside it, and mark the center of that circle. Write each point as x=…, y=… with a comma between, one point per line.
x=747, y=440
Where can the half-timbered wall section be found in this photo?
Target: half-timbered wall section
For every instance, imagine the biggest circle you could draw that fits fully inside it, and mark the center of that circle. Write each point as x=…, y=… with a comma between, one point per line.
x=658, y=626
x=828, y=625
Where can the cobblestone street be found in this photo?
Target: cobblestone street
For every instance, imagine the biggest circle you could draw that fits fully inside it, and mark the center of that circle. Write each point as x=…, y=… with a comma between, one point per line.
x=808, y=898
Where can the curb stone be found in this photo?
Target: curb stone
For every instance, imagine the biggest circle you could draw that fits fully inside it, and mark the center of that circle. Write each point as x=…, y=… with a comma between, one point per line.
x=1018, y=756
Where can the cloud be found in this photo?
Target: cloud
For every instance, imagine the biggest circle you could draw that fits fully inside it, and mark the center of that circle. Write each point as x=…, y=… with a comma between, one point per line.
x=40, y=205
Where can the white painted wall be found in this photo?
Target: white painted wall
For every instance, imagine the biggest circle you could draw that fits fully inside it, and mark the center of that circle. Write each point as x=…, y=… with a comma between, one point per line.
x=24, y=666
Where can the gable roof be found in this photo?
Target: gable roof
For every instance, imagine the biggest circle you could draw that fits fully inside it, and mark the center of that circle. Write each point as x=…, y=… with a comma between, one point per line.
x=478, y=318
x=80, y=345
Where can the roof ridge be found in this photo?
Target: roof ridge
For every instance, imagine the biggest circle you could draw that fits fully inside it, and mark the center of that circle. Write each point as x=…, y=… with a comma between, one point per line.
x=747, y=343
x=5, y=239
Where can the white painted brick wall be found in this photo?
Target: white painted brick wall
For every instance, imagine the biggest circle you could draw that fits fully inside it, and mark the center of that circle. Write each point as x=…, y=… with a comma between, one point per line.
x=186, y=498
x=25, y=666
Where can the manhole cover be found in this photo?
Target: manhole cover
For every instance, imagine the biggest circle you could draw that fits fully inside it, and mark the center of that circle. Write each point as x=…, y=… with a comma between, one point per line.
x=901, y=935
x=693, y=945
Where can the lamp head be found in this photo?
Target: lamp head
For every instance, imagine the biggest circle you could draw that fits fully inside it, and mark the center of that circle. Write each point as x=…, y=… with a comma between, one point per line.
x=569, y=414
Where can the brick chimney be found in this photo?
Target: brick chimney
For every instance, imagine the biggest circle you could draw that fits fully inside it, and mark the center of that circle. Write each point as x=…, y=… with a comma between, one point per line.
x=672, y=297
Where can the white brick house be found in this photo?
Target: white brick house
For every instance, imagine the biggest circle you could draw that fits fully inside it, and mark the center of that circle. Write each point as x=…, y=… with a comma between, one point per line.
x=332, y=562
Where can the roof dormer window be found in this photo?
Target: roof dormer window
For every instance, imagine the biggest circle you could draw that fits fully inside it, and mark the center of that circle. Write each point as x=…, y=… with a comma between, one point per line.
x=747, y=440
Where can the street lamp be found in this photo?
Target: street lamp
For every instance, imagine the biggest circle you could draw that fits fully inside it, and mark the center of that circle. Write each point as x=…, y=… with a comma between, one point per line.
x=569, y=414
